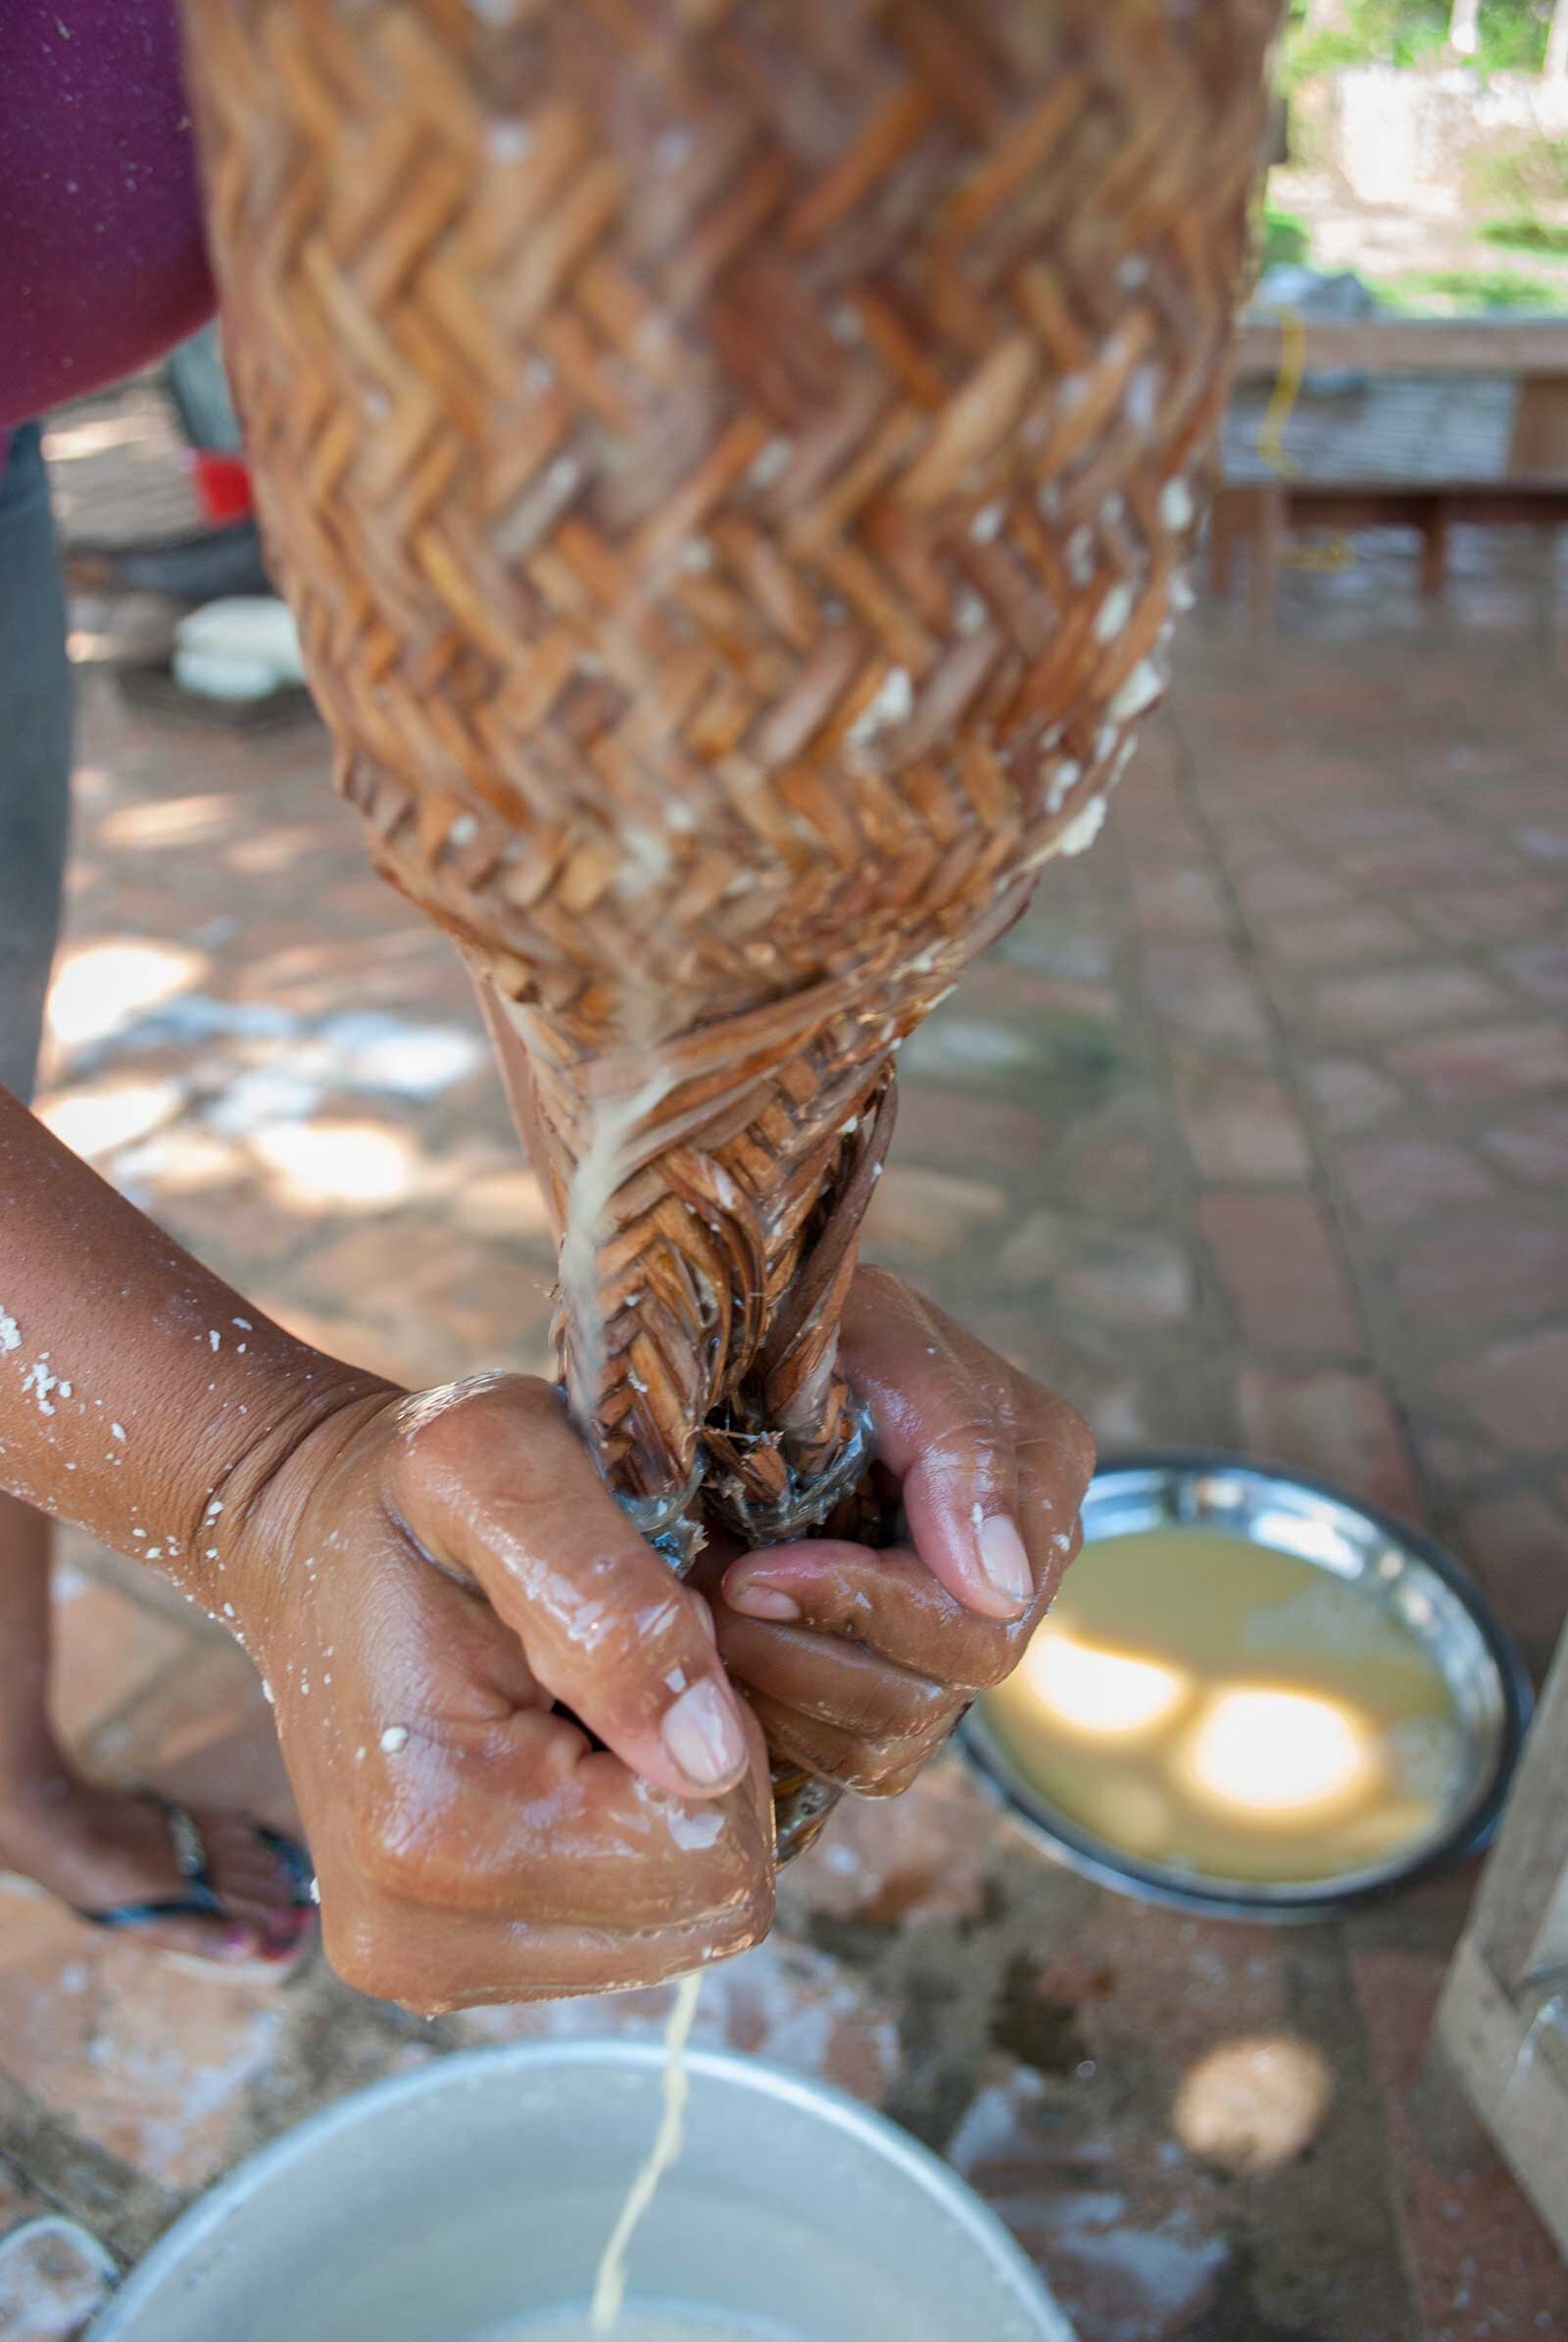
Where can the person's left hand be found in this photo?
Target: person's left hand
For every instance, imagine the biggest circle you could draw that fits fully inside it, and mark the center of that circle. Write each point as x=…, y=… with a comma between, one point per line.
x=859, y=1663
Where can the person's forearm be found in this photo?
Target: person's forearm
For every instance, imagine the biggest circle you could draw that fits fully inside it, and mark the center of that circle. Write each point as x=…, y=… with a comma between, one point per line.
x=141, y=1397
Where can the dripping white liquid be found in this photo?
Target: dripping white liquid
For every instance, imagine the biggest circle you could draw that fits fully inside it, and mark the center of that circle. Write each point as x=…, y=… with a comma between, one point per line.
x=609, y=2285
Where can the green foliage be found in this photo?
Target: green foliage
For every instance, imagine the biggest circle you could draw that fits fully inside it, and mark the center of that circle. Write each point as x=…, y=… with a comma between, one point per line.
x=1467, y=292
x=1285, y=238
x=1521, y=174
x=1307, y=56
x=1526, y=236
x=1512, y=36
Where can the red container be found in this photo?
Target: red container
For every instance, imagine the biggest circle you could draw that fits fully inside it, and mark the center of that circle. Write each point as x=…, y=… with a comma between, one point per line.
x=223, y=486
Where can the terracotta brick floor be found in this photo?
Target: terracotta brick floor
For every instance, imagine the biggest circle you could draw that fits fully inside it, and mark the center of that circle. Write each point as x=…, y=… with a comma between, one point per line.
x=1254, y=1134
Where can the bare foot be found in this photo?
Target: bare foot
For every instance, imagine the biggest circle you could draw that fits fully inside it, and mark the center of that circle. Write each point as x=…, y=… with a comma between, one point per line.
x=95, y=1847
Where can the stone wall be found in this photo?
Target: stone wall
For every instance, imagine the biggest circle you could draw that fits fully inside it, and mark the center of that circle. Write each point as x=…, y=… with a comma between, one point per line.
x=1401, y=136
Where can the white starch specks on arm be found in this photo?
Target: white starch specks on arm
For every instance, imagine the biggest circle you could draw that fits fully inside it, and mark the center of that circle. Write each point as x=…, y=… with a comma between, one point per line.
x=10, y=1331
x=395, y=1737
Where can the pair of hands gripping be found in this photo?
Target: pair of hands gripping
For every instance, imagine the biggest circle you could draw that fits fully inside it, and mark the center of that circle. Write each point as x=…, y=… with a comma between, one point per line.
x=473, y=1844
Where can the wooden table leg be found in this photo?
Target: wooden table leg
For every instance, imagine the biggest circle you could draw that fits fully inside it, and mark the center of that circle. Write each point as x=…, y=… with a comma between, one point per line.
x=1268, y=539
x=1222, y=527
x=1538, y=446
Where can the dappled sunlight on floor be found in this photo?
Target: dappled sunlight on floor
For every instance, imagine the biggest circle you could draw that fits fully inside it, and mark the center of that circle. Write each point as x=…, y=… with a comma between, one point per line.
x=100, y=987
x=353, y=1164
x=95, y=1118
x=1254, y=2104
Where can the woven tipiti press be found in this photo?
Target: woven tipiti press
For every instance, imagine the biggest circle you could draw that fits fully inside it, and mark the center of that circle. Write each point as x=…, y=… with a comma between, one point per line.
x=731, y=462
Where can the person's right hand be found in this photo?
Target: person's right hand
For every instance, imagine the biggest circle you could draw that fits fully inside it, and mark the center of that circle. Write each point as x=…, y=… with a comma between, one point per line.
x=421, y=1579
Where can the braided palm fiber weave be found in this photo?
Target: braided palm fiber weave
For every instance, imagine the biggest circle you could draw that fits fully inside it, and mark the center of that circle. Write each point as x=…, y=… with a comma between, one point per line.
x=731, y=462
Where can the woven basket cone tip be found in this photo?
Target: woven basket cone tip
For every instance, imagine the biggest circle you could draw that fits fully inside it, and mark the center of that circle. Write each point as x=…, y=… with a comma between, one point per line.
x=730, y=460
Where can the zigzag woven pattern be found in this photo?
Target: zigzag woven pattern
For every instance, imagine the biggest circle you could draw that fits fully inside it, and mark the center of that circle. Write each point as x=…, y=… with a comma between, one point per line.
x=731, y=462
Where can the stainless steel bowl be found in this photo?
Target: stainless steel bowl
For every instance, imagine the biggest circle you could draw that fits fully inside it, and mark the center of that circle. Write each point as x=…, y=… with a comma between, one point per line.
x=1395, y=1566
x=437, y=2207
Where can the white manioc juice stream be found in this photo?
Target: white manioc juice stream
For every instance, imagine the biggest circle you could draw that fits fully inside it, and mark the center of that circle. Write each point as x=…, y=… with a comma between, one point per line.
x=609, y=2286
x=608, y=2314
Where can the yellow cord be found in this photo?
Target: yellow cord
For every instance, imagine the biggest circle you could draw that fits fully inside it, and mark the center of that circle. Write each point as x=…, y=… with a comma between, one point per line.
x=1338, y=553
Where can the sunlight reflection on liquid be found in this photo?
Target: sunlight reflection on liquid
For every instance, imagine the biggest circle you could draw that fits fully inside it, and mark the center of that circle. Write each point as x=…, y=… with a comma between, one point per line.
x=1278, y=1752
x=1102, y=1692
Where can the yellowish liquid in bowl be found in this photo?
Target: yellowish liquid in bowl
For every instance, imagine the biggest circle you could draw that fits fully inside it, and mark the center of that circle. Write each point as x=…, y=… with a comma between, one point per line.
x=1222, y=1709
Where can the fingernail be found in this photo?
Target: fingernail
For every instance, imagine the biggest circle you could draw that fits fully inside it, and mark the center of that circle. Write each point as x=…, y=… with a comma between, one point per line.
x=702, y=1735
x=240, y=1943
x=1004, y=1561
x=763, y=1601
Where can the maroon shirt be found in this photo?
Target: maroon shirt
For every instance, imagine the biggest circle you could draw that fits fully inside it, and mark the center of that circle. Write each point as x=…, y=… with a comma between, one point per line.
x=103, y=263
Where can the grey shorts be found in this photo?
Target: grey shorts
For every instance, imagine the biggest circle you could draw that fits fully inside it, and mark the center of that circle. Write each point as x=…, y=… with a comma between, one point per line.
x=34, y=754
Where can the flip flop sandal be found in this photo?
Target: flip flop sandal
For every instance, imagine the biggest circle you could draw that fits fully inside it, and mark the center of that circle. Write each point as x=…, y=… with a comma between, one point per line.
x=201, y=1899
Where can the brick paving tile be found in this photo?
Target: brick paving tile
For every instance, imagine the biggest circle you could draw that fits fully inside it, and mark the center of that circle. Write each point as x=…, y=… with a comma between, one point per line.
x=106, y=1647
x=1517, y=1391
x=1454, y=1462
x=1338, y=1424
x=1541, y=968
x=1039, y=1247
x=1392, y=1181
x=1543, y=843
x=213, y=1687
x=1109, y=1164
x=929, y=1213
x=1283, y=888
x=17, y=2203
x=1518, y=1547
x=508, y=1204
x=1485, y=914
x=1201, y=993
x=1326, y=938
x=1536, y=1145
x=1399, y=868
x=1180, y=900
x=1007, y=1138
x=1239, y=1125
x=922, y=1854
x=1485, y=1064
x=124, y=2048
x=1481, y=2263
x=1352, y=1096
x=1397, y=1001
x=1140, y=1278
x=1484, y=1273
x=1279, y=1266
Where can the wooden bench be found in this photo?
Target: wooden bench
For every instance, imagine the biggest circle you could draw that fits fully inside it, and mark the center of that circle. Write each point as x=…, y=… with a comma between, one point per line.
x=1533, y=488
